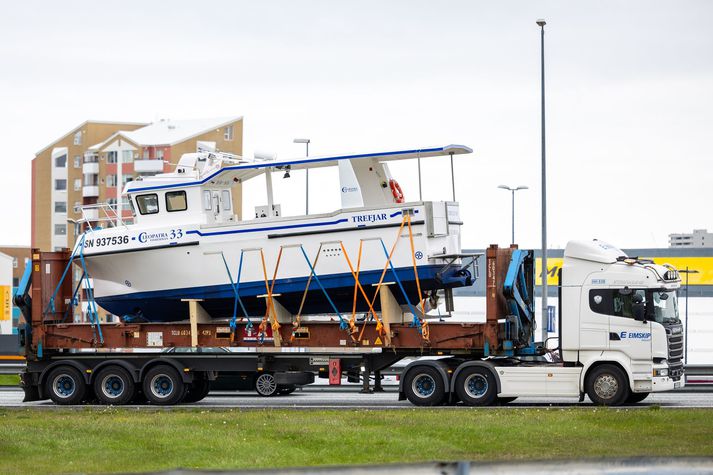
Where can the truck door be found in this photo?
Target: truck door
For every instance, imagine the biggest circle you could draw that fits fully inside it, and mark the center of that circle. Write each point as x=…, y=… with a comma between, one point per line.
x=629, y=328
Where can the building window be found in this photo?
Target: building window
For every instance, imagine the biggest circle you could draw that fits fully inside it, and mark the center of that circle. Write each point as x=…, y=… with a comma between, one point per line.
x=77, y=161
x=110, y=180
x=60, y=229
x=146, y=153
x=60, y=185
x=159, y=154
x=228, y=134
x=61, y=161
x=111, y=157
x=126, y=156
x=176, y=201
x=127, y=178
x=90, y=180
x=78, y=138
x=148, y=204
x=77, y=184
x=60, y=206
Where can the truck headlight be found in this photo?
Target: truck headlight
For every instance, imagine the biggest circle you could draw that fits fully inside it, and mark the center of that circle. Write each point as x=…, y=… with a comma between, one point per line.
x=661, y=372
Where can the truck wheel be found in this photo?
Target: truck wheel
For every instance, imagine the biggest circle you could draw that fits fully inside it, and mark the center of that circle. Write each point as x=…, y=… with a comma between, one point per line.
x=114, y=385
x=607, y=385
x=636, y=397
x=163, y=385
x=197, y=391
x=424, y=386
x=265, y=385
x=65, y=385
x=285, y=390
x=476, y=386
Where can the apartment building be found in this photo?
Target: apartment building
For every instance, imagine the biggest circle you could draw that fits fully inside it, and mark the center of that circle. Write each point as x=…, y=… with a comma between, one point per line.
x=698, y=238
x=89, y=165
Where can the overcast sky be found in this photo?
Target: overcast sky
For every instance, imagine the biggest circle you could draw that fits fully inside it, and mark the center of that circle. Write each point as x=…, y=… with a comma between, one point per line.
x=629, y=99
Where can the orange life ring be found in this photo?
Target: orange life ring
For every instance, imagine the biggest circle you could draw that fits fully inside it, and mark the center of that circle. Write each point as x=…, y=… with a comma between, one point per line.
x=396, y=191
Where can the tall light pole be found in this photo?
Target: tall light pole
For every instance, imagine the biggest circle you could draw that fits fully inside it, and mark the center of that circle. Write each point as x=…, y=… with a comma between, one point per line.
x=541, y=24
x=685, y=336
x=513, y=190
x=306, y=142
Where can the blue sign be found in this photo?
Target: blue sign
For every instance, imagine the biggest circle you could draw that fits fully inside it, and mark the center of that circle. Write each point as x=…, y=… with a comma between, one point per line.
x=551, y=322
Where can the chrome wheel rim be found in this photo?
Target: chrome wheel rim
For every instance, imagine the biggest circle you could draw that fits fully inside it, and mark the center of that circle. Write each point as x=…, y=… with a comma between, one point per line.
x=64, y=385
x=112, y=386
x=476, y=385
x=265, y=384
x=161, y=386
x=423, y=385
x=606, y=386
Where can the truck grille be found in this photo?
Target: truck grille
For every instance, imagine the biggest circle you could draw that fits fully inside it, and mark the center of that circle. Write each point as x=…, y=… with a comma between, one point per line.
x=675, y=351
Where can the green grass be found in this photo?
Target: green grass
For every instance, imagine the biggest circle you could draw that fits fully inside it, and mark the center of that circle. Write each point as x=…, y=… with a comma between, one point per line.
x=9, y=379
x=112, y=440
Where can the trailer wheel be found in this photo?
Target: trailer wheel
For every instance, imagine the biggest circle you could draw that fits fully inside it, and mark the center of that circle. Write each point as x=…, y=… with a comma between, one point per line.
x=607, y=385
x=265, y=385
x=424, y=386
x=285, y=390
x=635, y=398
x=65, y=385
x=163, y=386
x=476, y=386
x=114, y=385
x=197, y=391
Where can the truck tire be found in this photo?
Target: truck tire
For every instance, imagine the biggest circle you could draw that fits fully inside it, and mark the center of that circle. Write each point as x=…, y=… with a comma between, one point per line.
x=424, y=386
x=197, y=391
x=285, y=390
x=607, y=385
x=65, y=385
x=635, y=398
x=163, y=386
x=265, y=385
x=476, y=386
x=114, y=385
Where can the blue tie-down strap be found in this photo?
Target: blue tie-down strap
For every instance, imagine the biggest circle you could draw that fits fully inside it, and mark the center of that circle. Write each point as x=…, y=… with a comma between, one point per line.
x=416, y=322
x=342, y=322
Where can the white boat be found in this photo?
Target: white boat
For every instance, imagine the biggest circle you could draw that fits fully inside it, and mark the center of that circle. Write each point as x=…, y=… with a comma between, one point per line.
x=186, y=241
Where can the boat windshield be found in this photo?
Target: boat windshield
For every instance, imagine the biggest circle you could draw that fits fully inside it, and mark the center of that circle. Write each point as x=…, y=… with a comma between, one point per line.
x=665, y=304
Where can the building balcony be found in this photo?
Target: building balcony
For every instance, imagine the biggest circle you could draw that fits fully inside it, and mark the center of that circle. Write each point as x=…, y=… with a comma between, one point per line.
x=91, y=214
x=90, y=191
x=148, y=166
x=91, y=168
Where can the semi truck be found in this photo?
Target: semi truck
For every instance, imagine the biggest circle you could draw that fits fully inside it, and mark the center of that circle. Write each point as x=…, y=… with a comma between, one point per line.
x=620, y=338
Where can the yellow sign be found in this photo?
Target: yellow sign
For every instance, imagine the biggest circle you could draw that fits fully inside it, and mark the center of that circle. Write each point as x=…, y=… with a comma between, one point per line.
x=378, y=341
x=5, y=302
x=704, y=266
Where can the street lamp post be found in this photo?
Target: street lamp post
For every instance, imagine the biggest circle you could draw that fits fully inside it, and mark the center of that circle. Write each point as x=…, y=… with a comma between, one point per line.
x=513, y=190
x=306, y=142
x=685, y=336
x=541, y=24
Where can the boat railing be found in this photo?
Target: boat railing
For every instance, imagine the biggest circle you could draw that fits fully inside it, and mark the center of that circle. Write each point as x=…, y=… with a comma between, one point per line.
x=100, y=215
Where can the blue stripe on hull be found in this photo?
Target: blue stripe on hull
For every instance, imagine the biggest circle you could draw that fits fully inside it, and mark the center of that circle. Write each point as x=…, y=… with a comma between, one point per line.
x=218, y=300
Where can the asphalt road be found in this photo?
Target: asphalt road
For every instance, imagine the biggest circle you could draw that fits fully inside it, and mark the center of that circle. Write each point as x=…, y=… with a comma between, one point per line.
x=350, y=398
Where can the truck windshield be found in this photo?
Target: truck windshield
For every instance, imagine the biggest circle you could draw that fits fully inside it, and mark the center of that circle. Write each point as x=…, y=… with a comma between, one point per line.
x=665, y=306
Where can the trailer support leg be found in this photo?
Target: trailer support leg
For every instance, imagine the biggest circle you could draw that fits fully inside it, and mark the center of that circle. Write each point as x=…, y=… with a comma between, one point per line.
x=365, y=372
x=377, y=382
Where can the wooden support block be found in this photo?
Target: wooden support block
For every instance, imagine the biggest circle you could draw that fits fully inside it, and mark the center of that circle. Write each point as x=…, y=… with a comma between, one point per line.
x=390, y=311
x=197, y=314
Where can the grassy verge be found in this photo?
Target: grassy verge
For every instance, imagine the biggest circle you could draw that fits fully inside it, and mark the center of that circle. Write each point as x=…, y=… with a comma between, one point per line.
x=9, y=379
x=95, y=440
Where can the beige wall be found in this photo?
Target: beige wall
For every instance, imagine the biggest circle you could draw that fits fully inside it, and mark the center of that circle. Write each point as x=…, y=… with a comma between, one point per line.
x=42, y=206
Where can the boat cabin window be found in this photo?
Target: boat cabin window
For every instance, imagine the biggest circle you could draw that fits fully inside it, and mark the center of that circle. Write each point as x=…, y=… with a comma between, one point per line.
x=176, y=201
x=207, y=200
x=147, y=204
x=225, y=200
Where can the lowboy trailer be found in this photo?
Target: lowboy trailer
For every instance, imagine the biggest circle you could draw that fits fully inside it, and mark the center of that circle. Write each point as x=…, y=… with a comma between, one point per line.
x=620, y=339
